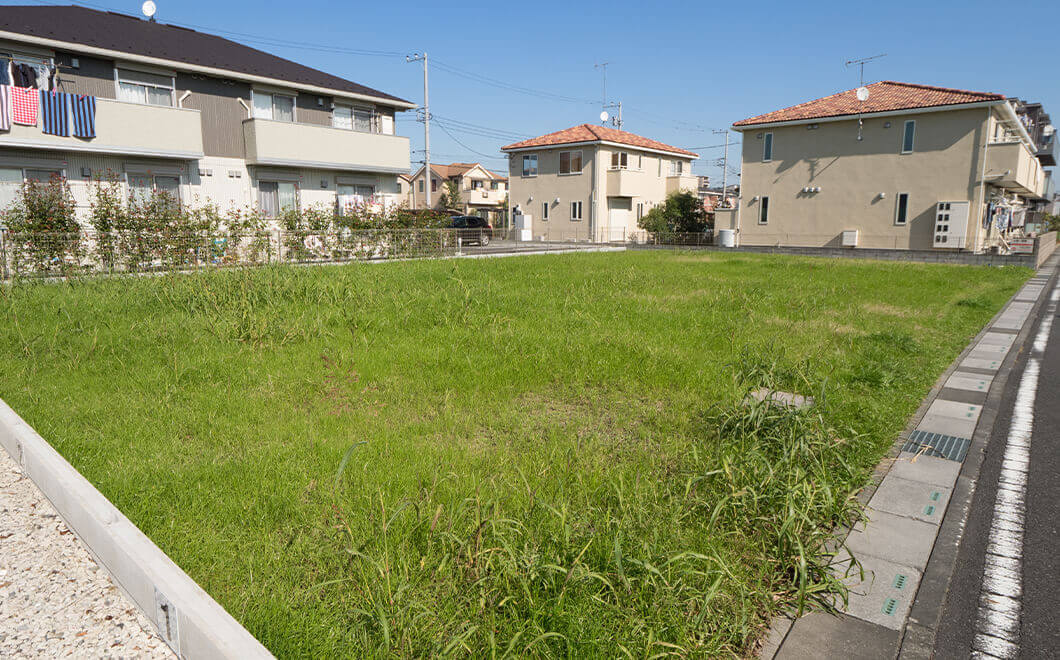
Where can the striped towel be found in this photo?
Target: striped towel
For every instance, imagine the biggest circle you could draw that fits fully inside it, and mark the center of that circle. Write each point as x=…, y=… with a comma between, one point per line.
x=24, y=105
x=84, y=116
x=55, y=111
x=5, y=108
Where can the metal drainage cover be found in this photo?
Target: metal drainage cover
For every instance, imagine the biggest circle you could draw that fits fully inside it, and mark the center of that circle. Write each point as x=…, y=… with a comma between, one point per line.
x=936, y=444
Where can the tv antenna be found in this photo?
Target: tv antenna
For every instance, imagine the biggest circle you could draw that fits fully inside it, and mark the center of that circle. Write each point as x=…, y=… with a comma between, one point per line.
x=862, y=91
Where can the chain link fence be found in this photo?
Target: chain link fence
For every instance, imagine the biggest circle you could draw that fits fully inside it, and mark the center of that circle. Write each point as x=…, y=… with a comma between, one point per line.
x=50, y=255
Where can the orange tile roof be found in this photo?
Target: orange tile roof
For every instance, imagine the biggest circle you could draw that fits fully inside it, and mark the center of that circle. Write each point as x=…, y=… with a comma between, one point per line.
x=592, y=133
x=884, y=96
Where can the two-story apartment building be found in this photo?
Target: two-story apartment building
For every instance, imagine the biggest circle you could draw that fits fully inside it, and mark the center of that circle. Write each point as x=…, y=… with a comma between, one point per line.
x=481, y=192
x=196, y=115
x=593, y=182
x=905, y=166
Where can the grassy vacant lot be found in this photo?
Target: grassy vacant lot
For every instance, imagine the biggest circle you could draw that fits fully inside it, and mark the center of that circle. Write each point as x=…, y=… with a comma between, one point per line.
x=536, y=455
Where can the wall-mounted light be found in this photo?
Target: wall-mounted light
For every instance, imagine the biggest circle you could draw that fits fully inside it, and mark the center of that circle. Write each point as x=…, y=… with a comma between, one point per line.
x=530, y=198
x=556, y=201
x=86, y=172
x=882, y=196
x=755, y=198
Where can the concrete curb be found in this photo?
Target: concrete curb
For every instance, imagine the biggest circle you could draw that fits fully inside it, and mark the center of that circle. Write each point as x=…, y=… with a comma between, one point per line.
x=187, y=618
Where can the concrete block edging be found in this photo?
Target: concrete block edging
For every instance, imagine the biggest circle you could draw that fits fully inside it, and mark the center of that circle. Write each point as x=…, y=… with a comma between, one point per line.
x=192, y=623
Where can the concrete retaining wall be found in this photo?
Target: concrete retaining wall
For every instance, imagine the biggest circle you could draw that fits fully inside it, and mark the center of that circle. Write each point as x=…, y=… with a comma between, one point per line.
x=186, y=617
x=1044, y=246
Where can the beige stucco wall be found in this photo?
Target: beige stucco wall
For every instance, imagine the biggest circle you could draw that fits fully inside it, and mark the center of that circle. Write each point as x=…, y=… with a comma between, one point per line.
x=944, y=166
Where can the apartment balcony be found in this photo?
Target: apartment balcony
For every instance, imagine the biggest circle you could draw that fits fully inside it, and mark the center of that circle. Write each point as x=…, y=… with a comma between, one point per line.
x=626, y=183
x=1014, y=166
x=123, y=128
x=1049, y=151
x=289, y=144
x=681, y=182
x=485, y=197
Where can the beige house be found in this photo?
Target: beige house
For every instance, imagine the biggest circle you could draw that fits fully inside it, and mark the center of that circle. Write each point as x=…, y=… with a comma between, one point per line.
x=196, y=115
x=481, y=192
x=903, y=167
x=592, y=182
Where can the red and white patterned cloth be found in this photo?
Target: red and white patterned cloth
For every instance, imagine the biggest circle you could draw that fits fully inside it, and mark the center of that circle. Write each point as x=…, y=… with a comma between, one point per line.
x=24, y=102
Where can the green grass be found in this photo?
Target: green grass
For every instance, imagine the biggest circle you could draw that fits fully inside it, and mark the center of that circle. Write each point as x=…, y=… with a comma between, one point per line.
x=526, y=456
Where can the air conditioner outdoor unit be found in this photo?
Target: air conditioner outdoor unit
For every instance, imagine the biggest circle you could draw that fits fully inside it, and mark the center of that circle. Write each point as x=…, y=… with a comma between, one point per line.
x=850, y=238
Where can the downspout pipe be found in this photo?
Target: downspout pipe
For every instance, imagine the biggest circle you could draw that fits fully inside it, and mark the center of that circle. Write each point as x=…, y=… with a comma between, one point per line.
x=982, y=177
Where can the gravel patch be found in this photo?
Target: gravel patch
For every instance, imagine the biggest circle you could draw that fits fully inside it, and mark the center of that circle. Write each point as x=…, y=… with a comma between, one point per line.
x=55, y=600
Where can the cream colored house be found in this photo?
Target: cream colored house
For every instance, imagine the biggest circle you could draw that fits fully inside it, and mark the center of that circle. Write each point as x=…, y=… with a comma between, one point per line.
x=482, y=192
x=198, y=116
x=909, y=167
x=592, y=182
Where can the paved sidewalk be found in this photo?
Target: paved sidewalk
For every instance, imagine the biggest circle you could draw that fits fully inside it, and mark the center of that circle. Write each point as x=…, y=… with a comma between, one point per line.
x=912, y=502
x=55, y=601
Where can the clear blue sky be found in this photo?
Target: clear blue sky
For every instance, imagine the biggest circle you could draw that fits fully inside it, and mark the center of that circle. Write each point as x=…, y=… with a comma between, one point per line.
x=681, y=69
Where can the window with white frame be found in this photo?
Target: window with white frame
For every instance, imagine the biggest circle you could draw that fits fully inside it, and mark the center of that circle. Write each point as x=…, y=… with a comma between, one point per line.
x=145, y=88
x=476, y=184
x=421, y=185
x=763, y=211
x=908, y=136
x=640, y=161
x=677, y=167
x=544, y=210
x=619, y=160
x=352, y=197
x=767, y=147
x=342, y=117
x=901, y=209
x=640, y=210
x=495, y=185
x=277, y=197
x=10, y=184
x=575, y=211
x=269, y=105
x=143, y=186
x=570, y=162
x=530, y=165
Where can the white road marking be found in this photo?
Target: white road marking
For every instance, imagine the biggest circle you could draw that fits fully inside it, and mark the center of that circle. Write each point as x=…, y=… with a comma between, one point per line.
x=998, y=622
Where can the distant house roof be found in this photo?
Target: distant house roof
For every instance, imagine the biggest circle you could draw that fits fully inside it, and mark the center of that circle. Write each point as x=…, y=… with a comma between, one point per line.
x=497, y=176
x=456, y=169
x=886, y=96
x=592, y=133
x=128, y=34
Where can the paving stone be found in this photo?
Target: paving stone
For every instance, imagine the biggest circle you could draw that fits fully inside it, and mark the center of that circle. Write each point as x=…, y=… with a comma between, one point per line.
x=827, y=636
x=955, y=409
x=971, y=382
x=925, y=469
x=950, y=418
x=786, y=399
x=1010, y=321
x=997, y=339
x=895, y=538
x=885, y=595
x=979, y=363
x=913, y=499
x=989, y=351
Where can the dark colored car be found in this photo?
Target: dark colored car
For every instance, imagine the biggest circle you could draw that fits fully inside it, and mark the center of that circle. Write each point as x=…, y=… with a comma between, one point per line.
x=472, y=229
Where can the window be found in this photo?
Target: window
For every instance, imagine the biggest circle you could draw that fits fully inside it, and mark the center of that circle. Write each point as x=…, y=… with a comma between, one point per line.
x=908, y=136
x=575, y=211
x=342, y=117
x=42, y=176
x=640, y=162
x=544, y=210
x=640, y=210
x=279, y=107
x=767, y=147
x=901, y=211
x=494, y=185
x=477, y=185
x=10, y=183
x=142, y=186
x=434, y=185
x=421, y=185
x=570, y=162
x=677, y=167
x=351, y=197
x=276, y=197
x=763, y=211
x=530, y=165
x=619, y=160
x=362, y=119
x=144, y=88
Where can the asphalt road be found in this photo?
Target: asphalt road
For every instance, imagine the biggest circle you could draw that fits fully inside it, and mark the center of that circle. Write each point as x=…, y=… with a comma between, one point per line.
x=1040, y=608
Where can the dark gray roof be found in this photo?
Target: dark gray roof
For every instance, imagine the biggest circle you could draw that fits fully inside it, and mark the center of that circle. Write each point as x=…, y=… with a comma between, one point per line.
x=129, y=34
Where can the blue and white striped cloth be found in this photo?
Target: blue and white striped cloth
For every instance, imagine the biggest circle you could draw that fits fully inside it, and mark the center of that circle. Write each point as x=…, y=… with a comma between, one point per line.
x=84, y=116
x=5, y=108
x=55, y=112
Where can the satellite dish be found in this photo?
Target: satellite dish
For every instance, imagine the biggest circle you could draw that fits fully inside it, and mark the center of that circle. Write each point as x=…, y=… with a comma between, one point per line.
x=603, y=115
x=149, y=9
x=863, y=94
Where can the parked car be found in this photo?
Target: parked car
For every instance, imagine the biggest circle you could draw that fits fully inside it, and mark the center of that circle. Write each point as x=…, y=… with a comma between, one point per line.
x=472, y=229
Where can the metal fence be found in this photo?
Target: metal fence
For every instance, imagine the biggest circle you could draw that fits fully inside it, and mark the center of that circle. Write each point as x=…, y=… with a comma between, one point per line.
x=49, y=255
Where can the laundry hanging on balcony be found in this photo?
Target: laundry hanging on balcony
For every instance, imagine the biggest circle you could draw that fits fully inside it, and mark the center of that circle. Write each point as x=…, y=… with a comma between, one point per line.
x=24, y=106
x=24, y=75
x=5, y=108
x=55, y=113
x=5, y=77
x=84, y=115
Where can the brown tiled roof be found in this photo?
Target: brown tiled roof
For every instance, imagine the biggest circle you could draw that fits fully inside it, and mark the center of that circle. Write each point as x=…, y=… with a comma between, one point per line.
x=129, y=34
x=884, y=96
x=498, y=176
x=592, y=133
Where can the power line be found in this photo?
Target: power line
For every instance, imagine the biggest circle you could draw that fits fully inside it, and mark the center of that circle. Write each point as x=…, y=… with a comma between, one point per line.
x=456, y=71
x=478, y=153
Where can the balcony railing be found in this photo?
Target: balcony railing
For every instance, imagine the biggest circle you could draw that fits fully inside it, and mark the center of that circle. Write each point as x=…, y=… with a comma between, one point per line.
x=288, y=144
x=124, y=128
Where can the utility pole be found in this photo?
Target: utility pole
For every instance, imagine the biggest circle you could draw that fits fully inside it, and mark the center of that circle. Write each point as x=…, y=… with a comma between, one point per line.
x=417, y=57
x=724, y=162
x=617, y=120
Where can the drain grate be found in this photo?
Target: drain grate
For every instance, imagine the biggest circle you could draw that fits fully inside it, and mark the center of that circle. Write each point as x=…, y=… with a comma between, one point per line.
x=900, y=580
x=936, y=444
x=929, y=510
x=890, y=606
